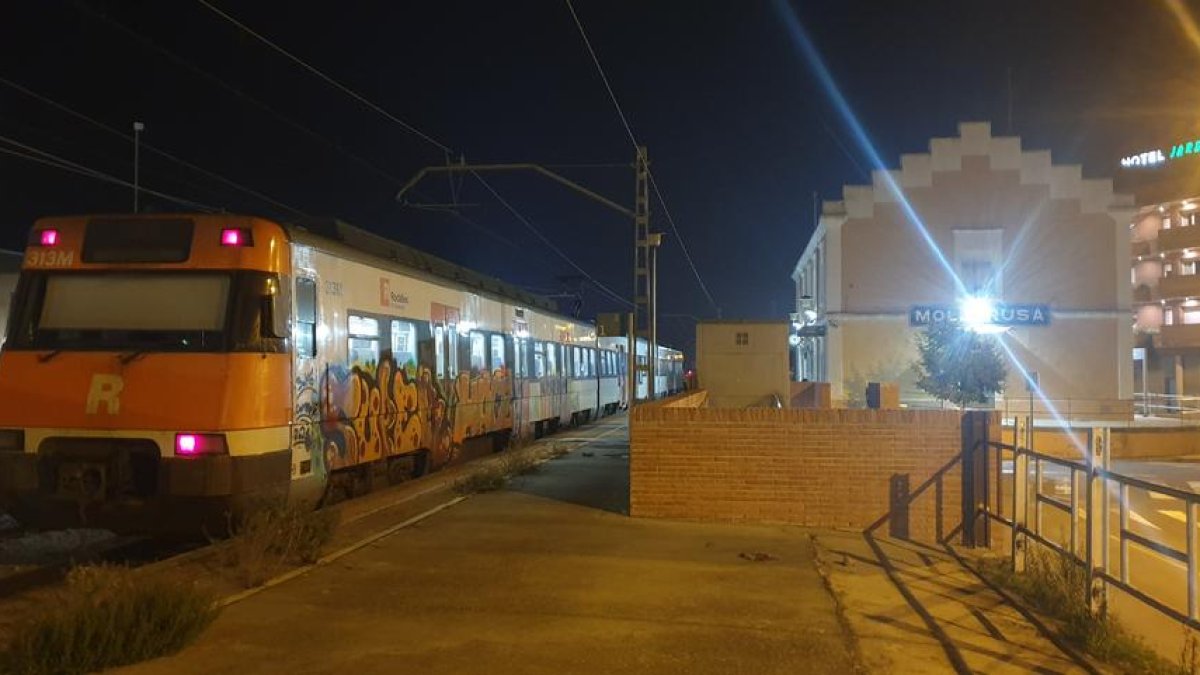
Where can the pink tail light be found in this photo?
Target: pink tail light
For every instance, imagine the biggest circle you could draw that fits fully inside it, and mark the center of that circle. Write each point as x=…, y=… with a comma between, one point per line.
x=195, y=445
x=235, y=237
x=48, y=237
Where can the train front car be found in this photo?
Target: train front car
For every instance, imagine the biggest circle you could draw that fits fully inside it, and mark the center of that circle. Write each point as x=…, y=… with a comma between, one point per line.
x=145, y=376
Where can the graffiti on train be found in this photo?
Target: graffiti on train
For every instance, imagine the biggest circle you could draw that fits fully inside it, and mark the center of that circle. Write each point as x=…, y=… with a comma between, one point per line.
x=370, y=411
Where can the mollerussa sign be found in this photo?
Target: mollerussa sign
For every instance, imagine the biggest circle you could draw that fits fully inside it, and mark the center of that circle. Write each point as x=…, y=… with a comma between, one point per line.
x=1002, y=315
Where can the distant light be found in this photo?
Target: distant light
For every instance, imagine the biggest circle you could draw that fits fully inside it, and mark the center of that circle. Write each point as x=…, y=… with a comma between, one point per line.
x=976, y=311
x=1188, y=206
x=793, y=340
x=49, y=237
x=796, y=325
x=810, y=315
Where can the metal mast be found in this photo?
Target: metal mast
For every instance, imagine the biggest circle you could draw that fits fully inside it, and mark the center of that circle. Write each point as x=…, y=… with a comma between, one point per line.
x=643, y=290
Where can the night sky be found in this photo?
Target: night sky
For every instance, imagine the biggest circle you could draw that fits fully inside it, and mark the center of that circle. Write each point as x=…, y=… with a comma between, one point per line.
x=740, y=133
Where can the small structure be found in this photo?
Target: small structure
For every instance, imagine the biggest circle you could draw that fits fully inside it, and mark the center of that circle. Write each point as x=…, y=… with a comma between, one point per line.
x=744, y=363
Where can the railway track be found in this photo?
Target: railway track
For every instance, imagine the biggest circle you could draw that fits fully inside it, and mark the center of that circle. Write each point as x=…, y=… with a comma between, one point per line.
x=124, y=550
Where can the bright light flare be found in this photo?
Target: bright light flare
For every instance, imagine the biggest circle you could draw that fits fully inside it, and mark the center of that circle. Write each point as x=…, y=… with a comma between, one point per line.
x=49, y=237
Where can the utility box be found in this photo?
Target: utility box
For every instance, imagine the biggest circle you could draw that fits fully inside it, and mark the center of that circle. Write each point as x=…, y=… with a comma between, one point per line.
x=744, y=364
x=883, y=395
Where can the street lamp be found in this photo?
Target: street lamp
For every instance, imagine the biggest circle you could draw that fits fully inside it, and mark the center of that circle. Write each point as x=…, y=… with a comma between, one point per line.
x=137, y=132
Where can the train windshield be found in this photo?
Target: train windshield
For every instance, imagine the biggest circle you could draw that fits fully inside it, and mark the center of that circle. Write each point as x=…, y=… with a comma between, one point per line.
x=150, y=311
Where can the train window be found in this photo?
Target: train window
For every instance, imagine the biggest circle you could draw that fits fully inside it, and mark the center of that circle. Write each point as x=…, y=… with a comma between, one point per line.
x=364, y=341
x=452, y=355
x=306, y=317
x=478, y=356
x=539, y=359
x=404, y=344
x=439, y=350
x=591, y=360
x=519, y=354
x=552, y=355
x=497, y=362
x=579, y=365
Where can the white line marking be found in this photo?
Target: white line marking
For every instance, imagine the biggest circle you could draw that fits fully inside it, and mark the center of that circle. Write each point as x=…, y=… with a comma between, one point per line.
x=1159, y=495
x=1174, y=515
x=1133, y=515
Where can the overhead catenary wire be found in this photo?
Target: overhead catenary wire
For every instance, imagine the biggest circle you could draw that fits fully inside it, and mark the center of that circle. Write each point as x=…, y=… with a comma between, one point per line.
x=444, y=148
x=149, y=147
x=200, y=72
x=525, y=221
x=332, y=82
x=633, y=139
x=41, y=156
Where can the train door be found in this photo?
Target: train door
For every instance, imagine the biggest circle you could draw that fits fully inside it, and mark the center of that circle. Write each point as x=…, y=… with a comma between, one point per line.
x=309, y=472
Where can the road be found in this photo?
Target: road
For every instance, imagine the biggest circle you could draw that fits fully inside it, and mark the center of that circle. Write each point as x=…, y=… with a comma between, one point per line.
x=1158, y=517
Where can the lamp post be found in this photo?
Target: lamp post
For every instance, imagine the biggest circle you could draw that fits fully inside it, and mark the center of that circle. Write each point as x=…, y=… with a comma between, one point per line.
x=137, y=133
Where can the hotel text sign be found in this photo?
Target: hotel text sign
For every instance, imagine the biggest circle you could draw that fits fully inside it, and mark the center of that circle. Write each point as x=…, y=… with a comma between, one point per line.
x=1157, y=156
x=1002, y=315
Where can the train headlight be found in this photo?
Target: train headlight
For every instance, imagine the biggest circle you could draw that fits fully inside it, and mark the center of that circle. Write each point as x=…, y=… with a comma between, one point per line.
x=196, y=445
x=12, y=440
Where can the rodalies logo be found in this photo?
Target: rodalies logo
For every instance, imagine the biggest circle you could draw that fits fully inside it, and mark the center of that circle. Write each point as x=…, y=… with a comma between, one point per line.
x=105, y=391
x=388, y=298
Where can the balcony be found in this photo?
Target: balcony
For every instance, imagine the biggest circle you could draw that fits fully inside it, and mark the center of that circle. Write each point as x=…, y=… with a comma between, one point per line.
x=1179, y=238
x=1179, y=286
x=1180, y=336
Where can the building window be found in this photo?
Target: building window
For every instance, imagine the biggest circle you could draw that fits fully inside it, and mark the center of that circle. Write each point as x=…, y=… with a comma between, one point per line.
x=978, y=255
x=742, y=339
x=1187, y=267
x=1169, y=317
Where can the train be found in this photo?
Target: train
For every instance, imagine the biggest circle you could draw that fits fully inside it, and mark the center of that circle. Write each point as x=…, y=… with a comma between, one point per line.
x=164, y=372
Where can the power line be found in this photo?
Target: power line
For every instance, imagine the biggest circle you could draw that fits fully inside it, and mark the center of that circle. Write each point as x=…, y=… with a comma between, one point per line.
x=633, y=139
x=547, y=242
x=446, y=149
x=148, y=146
x=50, y=159
x=200, y=72
x=359, y=97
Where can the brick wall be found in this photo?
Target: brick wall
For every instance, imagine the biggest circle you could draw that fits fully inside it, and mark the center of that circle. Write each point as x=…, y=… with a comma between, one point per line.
x=823, y=468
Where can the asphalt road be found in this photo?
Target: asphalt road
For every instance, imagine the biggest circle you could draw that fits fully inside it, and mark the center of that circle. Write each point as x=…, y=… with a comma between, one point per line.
x=1158, y=517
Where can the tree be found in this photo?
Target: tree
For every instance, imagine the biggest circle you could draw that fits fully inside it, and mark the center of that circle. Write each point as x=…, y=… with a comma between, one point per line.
x=958, y=365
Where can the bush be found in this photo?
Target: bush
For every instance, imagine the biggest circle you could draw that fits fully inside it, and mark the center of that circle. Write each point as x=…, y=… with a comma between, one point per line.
x=275, y=535
x=107, y=617
x=1055, y=584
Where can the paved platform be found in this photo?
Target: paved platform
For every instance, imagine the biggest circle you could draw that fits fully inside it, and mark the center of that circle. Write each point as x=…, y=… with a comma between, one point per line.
x=548, y=576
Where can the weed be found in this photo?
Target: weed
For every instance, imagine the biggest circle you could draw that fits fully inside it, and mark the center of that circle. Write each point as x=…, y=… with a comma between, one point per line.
x=1055, y=584
x=106, y=617
x=494, y=475
x=277, y=534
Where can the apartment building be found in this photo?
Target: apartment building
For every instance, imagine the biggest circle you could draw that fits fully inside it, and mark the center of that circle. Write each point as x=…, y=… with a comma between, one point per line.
x=1165, y=247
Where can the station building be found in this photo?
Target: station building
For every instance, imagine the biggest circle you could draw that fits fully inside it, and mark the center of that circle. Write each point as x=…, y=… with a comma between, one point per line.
x=1047, y=246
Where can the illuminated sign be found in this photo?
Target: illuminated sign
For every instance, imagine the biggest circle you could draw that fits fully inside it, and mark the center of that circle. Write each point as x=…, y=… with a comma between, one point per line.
x=1002, y=315
x=1156, y=157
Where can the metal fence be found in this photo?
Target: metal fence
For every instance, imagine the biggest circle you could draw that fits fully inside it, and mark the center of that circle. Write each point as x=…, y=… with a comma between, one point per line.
x=1081, y=508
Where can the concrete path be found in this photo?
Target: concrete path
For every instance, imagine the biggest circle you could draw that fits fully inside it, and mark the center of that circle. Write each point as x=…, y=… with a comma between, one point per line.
x=546, y=577
x=900, y=635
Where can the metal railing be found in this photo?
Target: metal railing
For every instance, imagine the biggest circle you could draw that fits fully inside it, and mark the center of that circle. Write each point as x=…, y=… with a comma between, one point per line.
x=1038, y=482
x=1167, y=405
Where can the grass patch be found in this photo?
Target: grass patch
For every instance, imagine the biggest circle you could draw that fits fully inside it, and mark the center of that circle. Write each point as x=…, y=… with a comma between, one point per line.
x=1058, y=587
x=105, y=617
x=494, y=475
x=277, y=535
